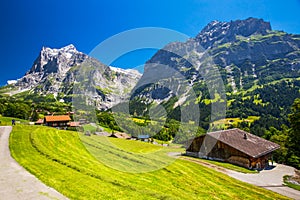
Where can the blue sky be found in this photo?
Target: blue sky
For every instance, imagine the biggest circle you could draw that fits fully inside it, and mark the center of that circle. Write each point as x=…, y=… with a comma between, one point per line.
x=26, y=26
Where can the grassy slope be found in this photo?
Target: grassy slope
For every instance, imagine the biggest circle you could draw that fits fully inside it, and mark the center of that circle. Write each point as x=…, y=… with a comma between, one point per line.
x=60, y=160
x=234, y=121
x=6, y=121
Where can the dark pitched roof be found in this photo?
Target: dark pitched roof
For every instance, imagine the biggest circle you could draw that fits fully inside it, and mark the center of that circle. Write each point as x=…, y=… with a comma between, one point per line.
x=245, y=142
x=120, y=135
x=57, y=118
x=103, y=133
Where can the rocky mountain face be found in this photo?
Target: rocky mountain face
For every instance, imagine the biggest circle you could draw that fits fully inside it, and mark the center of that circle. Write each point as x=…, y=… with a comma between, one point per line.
x=50, y=69
x=217, y=33
x=245, y=50
x=59, y=71
x=247, y=53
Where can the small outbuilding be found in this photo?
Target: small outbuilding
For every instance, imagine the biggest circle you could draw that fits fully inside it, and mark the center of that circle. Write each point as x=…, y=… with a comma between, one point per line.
x=74, y=124
x=57, y=120
x=39, y=122
x=120, y=135
x=233, y=146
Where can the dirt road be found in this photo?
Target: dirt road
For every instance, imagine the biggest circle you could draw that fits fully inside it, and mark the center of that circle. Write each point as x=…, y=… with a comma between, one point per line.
x=15, y=182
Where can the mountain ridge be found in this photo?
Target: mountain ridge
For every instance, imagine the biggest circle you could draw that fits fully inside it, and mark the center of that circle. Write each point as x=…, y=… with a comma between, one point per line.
x=250, y=58
x=223, y=32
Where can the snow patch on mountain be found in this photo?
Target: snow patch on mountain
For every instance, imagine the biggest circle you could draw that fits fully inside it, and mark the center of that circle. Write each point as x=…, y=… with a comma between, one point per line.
x=130, y=72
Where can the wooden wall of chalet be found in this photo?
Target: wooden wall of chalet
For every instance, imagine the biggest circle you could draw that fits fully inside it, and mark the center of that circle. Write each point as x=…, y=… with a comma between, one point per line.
x=224, y=152
x=196, y=144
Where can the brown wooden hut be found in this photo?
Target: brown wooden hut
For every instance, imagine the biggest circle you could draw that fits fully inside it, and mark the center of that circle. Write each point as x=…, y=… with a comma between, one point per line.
x=234, y=146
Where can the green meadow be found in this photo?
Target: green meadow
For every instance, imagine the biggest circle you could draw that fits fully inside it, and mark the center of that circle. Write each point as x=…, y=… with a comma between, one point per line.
x=80, y=168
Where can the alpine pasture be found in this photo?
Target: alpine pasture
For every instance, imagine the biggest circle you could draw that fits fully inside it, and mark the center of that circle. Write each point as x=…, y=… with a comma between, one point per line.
x=73, y=164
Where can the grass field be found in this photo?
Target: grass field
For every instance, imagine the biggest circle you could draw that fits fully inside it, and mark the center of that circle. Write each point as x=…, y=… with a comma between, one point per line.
x=89, y=127
x=61, y=160
x=234, y=121
x=6, y=121
x=128, y=155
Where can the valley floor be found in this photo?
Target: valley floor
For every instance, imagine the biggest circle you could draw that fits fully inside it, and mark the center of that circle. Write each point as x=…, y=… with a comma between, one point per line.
x=15, y=182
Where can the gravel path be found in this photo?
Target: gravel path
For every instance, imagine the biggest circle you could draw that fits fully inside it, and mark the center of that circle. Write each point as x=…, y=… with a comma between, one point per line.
x=271, y=179
x=15, y=182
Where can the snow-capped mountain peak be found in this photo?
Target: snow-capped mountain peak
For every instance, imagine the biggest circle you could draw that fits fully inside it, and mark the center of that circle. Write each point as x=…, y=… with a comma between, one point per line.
x=56, y=70
x=54, y=62
x=67, y=51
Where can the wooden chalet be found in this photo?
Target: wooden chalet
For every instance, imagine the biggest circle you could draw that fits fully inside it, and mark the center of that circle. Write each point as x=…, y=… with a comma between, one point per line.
x=233, y=146
x=57, y=121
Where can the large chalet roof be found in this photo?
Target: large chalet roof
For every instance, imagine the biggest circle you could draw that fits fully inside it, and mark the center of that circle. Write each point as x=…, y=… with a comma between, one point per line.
x=245, y=142
x=57, y=118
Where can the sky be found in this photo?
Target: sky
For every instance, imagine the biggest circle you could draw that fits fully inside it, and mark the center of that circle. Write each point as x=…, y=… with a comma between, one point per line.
x=27, y=26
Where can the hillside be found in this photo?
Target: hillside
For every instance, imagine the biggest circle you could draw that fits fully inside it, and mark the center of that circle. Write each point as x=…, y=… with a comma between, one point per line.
x=239, y=69
x=243, y=64
x=60, y=160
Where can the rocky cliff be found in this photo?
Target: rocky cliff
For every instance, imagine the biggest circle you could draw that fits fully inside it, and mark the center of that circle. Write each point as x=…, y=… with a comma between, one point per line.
x=57, y=71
